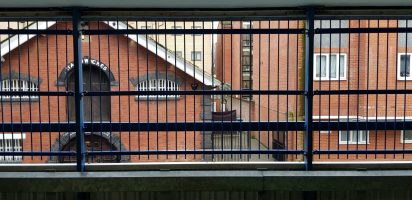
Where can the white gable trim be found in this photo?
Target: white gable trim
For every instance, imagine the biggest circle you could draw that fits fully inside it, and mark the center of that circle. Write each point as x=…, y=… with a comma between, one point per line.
x=16, y=40
x=151, y=45
x=160, y=51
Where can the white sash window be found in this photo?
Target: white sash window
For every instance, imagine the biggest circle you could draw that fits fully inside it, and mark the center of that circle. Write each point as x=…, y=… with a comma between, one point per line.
x=157, y=85
x=16, y=85
x=11, y=143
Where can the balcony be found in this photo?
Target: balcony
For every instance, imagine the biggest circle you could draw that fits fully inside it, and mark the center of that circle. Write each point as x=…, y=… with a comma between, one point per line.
x=111, y=107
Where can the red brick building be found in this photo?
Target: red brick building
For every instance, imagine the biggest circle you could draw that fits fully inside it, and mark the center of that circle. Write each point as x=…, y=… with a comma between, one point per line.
x=110, y=63
x=372, y=61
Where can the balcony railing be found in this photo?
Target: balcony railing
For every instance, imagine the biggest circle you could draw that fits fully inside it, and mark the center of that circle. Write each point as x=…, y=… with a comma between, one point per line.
x=305, y=103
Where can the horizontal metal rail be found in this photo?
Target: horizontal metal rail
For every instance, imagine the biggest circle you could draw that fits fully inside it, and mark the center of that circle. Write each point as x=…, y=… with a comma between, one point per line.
x=99, y=126
x=192, y=31
x=362, y=30
x=195, y=92
x=364, y=152
x=39, y=93
x=36, y=31
x=344, y=92
x=205, y=92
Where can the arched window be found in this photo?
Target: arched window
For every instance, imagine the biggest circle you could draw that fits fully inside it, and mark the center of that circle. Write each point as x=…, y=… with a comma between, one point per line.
x=157, y=85
x=15, y=85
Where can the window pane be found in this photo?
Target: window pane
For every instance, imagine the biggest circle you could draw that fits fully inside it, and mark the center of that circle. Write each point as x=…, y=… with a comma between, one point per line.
x=405, y=65
x=332, y=68
x=363, y=136
x=320, y=66
x=344, y=136
x=341, y=65
x=407, y=134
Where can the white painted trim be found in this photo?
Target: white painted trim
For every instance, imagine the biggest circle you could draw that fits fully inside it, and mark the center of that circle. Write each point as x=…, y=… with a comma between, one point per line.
x=160, y=51
x=17, y=40
x=333, y=117
x=15, y=136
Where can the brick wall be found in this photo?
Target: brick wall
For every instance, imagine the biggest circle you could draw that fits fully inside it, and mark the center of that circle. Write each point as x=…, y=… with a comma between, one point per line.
x=45, y=57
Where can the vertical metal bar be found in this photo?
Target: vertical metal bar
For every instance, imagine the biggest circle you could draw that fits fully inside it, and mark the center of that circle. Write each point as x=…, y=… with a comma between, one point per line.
x=78, y=90
x=309, y=88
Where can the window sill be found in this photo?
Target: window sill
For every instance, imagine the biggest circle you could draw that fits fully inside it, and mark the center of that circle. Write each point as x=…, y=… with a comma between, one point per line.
x=353, y=143
x=404, y=79
x=142, y=98
x=406, y=142
x=33, y=99
x=342, y=79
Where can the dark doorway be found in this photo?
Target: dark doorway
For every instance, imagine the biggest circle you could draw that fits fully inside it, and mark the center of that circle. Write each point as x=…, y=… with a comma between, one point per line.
x=96, y=108
x=93, y=142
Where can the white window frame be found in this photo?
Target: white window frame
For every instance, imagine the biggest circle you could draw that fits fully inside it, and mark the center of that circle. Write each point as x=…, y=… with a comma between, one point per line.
x=404, y=141
x=6, y=140
x=351, y=132
x=193, y=56
x=402, y=78
x=157, y=85
x=16, y=85
x=327, y=78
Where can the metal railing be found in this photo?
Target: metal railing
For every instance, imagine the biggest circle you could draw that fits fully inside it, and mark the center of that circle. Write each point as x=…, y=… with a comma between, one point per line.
x=253, y=88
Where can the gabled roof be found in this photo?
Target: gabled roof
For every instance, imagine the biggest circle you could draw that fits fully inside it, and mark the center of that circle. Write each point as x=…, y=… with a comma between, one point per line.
x=13, y=42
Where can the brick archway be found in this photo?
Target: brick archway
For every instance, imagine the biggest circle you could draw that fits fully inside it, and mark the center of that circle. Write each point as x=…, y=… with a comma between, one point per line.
x=68, y=137
x=86, y=61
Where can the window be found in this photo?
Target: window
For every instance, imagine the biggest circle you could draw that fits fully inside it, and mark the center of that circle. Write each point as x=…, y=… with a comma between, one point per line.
x=157, y=85
x=404, y=66
x=196, y=27
x=247, y=57
x=246, y=25
x=15, y=85
x=9, y=143
x=177, y=27
x=353, y=137
x=227, y=24
x=179, y=54
x=196, y=55
x=406, y=136
x=329, y=67
x=333, y=40
x=404, y=39
x=246, y=40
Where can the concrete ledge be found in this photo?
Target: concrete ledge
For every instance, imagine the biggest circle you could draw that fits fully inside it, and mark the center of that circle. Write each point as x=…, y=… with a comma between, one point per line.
x=219, y=180
x=156, y=166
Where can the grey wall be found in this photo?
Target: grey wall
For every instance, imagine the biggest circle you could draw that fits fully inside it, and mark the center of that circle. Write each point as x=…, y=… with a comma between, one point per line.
x=216, y=195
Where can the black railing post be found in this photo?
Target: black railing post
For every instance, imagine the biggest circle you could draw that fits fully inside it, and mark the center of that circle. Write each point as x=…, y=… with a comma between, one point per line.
x=308, y=145
x=78, y=90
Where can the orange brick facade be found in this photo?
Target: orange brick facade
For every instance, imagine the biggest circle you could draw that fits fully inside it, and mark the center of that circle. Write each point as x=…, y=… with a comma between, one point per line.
x=45, y=57
x=278, y=63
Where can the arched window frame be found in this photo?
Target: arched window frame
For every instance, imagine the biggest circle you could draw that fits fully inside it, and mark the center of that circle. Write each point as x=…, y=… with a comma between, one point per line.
x=160, y=84
x=18, y=85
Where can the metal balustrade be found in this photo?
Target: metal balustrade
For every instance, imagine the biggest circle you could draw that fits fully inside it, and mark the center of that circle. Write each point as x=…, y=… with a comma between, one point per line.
x=131, y=89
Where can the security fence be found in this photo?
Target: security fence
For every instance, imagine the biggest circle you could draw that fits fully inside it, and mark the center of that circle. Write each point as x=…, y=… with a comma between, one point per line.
x=301, y=87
